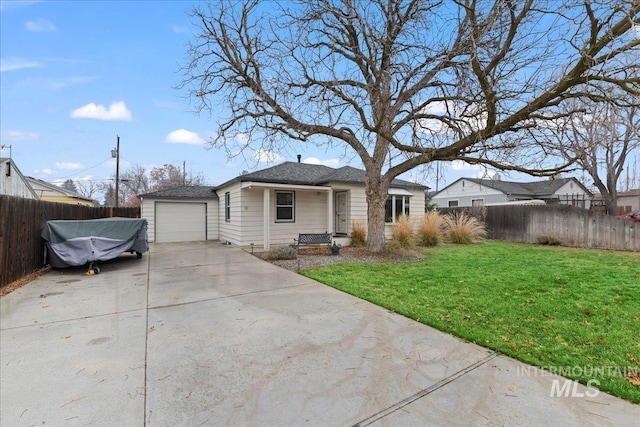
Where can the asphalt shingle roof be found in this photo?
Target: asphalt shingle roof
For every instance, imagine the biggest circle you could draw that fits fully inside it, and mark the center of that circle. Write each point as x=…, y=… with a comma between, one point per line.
x=186, y=192
x=289, y=173
x=536, y=188
x=307, y=174
x=292, y=173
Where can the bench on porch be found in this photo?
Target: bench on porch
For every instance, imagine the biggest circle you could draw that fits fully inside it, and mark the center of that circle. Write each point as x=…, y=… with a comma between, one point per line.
x=312, y=239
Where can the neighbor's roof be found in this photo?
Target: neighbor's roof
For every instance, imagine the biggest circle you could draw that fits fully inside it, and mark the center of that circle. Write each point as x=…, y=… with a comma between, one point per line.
x=628, y=193
x=533, y=189
x=186, y=192
x=307, y=174
x=56, y=188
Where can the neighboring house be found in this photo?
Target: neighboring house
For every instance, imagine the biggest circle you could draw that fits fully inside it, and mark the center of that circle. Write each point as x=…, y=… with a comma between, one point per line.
x=52, y=193
x=628, y=201
x=272, y=206
x=12, y=182
x=479, y=192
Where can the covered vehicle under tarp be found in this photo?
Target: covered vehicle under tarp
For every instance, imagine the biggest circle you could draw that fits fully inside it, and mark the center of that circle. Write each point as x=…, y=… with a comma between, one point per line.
x=77, y=242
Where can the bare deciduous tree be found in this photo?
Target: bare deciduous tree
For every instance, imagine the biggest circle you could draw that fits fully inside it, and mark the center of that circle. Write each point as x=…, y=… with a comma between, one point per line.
x=601, y=139
x=138, y=180
x=404, y=83
x=134, y=181
x=170, y=176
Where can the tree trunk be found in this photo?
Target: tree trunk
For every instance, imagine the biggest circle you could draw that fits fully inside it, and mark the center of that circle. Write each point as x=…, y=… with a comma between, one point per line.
x=611, y=202
x=377, y=192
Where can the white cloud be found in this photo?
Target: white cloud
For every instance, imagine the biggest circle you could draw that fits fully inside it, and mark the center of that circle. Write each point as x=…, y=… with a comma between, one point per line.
x=45, y=171
x=333, y=163
x=264, y=156
x=116, y=111
x=183, y=136
x=179, y=29
x=18, y=135
x=14, y=63
x=467, y=117
x=459, y=165
x=68, y=166
x=41, y=25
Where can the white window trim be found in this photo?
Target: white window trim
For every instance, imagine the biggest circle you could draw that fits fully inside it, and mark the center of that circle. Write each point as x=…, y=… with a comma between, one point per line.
x=475, y=200
x=292, y=206
x=406, y=203
x=456, y=200
x=227, y=206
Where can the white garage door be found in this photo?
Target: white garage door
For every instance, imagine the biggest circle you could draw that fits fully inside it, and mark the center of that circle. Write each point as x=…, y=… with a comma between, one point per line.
x=180, y=222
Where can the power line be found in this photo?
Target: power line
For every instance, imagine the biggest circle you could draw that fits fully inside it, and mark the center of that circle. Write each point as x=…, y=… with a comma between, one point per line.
x=84, y=170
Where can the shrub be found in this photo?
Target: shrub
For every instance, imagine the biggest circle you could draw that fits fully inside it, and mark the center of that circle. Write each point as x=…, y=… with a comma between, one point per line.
x=548, y=240
x=283, y=252
x=430, y=230
x=358, y=233
x=463, y=229
x=402, y=232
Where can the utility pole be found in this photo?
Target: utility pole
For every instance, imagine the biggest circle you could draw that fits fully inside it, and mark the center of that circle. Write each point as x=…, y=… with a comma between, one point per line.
x=2, y=147
x=116, y=153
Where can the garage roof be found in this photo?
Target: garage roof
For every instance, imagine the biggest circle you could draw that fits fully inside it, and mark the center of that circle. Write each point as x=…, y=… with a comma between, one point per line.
x=186, y=192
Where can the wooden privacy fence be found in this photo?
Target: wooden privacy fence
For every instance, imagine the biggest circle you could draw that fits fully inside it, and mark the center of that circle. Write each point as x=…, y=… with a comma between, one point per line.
x=22, y=220
x=570, y=225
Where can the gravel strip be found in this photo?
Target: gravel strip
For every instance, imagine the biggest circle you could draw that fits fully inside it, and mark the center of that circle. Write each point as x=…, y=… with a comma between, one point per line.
x=310, y=258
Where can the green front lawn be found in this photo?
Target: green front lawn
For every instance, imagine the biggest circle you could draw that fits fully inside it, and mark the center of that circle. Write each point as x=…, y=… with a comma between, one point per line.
x=546, y=306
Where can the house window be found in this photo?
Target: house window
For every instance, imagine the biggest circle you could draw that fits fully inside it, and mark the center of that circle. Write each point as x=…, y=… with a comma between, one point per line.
x=396, y=205
x=477, y=202
x=285, y=206
x=227, y=206
x=453, y=203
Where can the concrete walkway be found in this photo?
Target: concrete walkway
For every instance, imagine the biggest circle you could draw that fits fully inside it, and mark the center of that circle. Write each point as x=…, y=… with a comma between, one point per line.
x=205, y=334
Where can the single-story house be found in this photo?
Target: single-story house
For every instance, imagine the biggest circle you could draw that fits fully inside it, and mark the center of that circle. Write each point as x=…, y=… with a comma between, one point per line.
x=480, y=192
x=12, y=182
x=272, y=206
x=52, y=193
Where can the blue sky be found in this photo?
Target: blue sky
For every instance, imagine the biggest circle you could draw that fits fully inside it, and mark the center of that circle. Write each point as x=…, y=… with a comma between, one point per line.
x=74, y=74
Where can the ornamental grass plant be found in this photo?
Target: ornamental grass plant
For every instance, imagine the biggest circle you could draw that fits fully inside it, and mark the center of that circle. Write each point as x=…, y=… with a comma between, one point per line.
x=461, y=228
x=430, y=229
x=402, y=234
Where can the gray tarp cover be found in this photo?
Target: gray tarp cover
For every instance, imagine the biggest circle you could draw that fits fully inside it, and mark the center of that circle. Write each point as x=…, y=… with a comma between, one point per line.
x=70, y=243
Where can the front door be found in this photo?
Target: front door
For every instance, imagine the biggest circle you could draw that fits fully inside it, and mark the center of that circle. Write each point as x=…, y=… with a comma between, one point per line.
x=341, y=220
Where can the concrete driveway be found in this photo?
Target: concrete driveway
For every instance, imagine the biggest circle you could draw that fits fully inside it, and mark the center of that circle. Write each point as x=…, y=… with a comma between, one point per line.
x=206, y=334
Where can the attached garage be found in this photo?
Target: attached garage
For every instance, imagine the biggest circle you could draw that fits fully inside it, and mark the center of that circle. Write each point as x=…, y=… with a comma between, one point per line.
x=183, y=214
x=180, y=222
